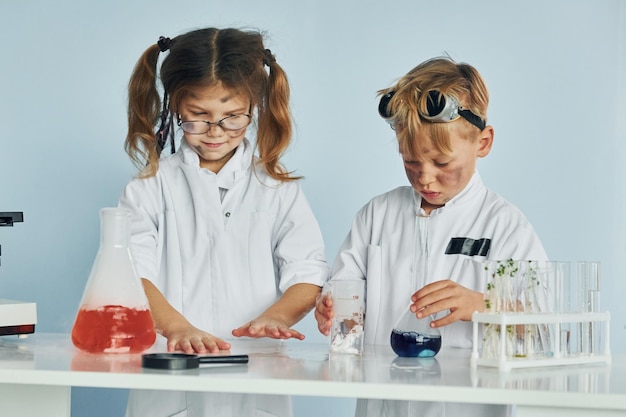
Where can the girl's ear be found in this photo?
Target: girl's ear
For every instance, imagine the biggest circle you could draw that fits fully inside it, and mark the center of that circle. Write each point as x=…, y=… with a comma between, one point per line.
x=485, y=142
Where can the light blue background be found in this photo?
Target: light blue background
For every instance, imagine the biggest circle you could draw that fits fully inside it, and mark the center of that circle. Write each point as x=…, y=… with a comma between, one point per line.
x=556, y=71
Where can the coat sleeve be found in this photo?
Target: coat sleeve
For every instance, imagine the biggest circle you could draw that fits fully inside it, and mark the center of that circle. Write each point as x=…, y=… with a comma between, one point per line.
x=141, y=198
x=515, y=238
x=299, y=247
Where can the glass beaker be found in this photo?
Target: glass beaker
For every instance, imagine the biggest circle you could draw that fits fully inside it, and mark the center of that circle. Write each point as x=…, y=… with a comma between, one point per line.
x=347, y=331
x=114, y=315
x=413, y=337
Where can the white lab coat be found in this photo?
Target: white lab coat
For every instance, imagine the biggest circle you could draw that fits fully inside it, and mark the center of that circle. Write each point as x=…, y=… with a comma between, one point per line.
x=221, y=248
x=398, y=250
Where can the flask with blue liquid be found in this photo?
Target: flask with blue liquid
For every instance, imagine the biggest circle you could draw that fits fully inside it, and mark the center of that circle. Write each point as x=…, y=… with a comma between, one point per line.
x=413, y=337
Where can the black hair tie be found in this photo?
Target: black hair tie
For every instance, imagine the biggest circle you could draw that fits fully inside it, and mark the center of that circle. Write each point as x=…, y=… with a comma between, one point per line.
x=268, y=58
x=165, y=130
x=164, y=43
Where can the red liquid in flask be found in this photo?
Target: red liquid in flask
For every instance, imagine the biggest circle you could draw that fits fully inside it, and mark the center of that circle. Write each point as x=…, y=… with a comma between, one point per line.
x=113, y=329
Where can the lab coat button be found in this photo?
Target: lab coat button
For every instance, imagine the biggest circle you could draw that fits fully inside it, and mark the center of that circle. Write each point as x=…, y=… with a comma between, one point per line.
x=227, y=214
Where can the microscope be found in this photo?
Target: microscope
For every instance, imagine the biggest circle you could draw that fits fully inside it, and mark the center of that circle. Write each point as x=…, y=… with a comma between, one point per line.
x=16, y=317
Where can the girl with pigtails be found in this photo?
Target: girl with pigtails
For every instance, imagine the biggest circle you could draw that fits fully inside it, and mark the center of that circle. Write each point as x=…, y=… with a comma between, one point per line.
x=222, y=235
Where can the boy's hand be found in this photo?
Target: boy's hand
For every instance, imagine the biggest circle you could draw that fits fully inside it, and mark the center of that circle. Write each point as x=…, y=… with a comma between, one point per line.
x=324, y=313
x=192, y=340
x=267, y=327
x=446, y=295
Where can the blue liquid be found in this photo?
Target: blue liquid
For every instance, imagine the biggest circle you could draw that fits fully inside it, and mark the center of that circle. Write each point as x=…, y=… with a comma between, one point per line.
x=412, y=344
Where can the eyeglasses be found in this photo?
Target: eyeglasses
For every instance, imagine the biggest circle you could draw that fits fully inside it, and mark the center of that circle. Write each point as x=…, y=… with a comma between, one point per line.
x=441, y=108
x=229, y=123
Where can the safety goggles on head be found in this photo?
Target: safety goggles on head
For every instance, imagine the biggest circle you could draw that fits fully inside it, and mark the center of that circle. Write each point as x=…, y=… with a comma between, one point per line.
x=441, y=108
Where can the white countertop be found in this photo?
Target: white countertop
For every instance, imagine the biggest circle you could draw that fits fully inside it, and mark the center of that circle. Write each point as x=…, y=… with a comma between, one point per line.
x=301, y=368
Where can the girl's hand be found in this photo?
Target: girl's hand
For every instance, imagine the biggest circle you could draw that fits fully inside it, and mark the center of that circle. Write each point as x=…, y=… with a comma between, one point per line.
x=446, y=295
x=267, y=327
x=180, y=334
x=192, y=340
x=324, y=313
x=276, y=321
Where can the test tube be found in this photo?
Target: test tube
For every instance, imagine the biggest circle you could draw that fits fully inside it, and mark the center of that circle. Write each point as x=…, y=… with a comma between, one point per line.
x=550, y=298
x=564, y=303
x=587, y=300
x=554, y=277
x=523, y=288
x=560, y=279
x=593, y=306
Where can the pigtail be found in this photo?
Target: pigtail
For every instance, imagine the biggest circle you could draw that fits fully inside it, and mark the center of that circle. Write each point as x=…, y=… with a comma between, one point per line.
x=144, y=109
x=274, y=120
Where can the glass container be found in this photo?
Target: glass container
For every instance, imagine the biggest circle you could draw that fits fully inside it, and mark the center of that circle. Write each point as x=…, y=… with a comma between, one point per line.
x=114, y=315
x=413, y=337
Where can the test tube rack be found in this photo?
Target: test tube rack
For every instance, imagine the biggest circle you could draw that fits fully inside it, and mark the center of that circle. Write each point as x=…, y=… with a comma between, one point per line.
x=555, y=356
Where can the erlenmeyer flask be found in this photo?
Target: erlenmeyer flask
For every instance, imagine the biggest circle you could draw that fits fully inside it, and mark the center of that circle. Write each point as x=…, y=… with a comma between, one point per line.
x=413, y=337
x=114, y=316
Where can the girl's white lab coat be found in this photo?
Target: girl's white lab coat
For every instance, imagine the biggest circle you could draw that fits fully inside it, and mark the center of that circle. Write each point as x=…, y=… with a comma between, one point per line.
x=221, y=248
x=398, y=250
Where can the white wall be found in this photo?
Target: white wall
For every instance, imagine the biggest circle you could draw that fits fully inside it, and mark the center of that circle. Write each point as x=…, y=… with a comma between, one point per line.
x=555, y=69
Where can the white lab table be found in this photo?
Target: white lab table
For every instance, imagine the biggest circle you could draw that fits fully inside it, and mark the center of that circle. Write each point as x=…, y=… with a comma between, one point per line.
x=36, y=375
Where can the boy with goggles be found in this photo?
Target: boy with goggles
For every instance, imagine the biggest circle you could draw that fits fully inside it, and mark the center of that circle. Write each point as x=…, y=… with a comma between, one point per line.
x=422, y=245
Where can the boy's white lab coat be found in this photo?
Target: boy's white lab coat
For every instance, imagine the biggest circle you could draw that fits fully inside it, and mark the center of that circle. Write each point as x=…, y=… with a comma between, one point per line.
x=221, y=248
x=398, y=250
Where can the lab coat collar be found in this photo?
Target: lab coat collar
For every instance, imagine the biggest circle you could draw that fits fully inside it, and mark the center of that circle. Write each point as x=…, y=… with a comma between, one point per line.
x=233, y=171
x=234, y=168
x=471, y=189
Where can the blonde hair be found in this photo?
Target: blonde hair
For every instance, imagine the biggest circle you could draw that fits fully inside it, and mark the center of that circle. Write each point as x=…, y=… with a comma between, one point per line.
x=203, y=58
x=410, y=99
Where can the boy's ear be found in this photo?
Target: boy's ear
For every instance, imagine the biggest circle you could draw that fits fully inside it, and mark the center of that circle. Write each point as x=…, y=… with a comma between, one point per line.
x=485, y=142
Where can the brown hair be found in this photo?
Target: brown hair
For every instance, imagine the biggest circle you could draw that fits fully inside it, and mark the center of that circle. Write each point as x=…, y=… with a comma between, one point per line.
x=460, y=80
x=202, y=58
